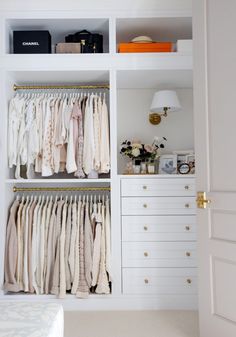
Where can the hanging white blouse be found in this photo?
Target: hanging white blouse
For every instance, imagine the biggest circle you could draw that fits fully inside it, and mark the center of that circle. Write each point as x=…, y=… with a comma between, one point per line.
x=73, y=240
x=35, y=246
x=97, y=244
x=14, y=119
x=97, y=132
x=26, y=232
x=21, y=142
x=39, y=116
x=38, y=239
x=47, y=169
x=105, y=142
x=102, y=283
x=19, y=245
x=108, y=238
x=62, y=274
x=32, y=136
x=46, y=233
x=88, y=151
x=76, y=250
x=70, y=158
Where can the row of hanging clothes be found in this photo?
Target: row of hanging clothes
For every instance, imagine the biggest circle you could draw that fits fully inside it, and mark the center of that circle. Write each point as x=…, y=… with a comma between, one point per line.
x=59, y=245
x=59, y=131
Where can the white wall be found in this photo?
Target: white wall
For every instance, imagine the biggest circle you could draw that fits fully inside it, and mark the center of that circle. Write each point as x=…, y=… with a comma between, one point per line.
x=177, y=127
x=107, y=5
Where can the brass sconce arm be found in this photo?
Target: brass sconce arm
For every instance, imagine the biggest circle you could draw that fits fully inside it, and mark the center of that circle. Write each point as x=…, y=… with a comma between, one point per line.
x=155, y=118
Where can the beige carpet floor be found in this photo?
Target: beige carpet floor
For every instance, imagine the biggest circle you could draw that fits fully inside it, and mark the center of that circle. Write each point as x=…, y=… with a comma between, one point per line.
x=132, y=324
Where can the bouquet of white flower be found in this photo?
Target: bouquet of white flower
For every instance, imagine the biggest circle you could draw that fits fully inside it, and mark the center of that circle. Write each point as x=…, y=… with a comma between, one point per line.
x=137, y=150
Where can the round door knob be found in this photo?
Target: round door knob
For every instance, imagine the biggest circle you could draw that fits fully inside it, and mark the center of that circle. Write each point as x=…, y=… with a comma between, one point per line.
x=145, y=228
x=187, y=205
x=146, y=281
x=145, y=205
x=145, y=254
x=188, y=254
x=186, y=187
x=144, y=187
x=189, y=281
x=187, y=228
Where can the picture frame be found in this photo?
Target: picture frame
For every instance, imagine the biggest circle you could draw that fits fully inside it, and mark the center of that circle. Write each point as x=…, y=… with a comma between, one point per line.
x=191, y=161
x=168, y=164
x=184, y=168
x=185, y=157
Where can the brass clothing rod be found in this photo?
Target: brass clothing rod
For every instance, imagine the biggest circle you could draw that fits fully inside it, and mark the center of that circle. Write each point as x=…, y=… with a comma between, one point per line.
x=57, y=189
x=32, y=87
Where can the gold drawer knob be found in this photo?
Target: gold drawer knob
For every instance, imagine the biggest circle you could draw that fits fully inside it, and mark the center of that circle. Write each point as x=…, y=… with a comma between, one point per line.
x=144, y=187
x=146, y=281
x=186, y=187
x=189, y=281
x=187, y=228
x=187, y=205
x=145, y=254
x=145, y=205
x=145, y=228
x=188, y=254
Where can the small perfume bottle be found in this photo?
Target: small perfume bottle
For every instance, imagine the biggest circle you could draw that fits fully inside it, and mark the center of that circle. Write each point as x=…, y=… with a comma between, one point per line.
x=151, y=167
x=137, y=166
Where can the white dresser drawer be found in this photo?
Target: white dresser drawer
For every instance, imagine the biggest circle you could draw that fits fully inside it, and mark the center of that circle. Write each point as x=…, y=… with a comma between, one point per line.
x=158, y=205
x=160, y=281
x=159, y=254
x=159, y=228
x=158, y=187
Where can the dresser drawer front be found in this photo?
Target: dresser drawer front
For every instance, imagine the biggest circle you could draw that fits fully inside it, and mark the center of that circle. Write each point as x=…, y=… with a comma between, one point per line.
x=159, y=228
x=159, y=254
x=158, y=205
x=160, y=281
x=158, y=187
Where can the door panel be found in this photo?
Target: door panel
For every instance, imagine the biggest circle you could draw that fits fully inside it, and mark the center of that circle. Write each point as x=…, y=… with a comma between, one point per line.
x=224, y=295
x=221, y=58
x=223, y=225
x=215, y=139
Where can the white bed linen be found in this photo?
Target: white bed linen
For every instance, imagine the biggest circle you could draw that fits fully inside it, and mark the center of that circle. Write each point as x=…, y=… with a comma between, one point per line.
x=24, y=319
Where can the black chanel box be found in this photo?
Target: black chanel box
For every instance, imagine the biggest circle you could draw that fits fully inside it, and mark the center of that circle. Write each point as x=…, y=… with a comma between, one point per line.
x=32, y=42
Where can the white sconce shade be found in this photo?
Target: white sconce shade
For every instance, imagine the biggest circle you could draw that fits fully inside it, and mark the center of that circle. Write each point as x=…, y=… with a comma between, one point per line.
x=165, y=99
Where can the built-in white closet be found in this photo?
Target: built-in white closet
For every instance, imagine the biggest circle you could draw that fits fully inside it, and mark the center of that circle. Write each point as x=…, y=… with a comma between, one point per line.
x=156, y=270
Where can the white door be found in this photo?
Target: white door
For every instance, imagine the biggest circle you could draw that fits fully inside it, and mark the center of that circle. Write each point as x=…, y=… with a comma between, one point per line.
x=214, y=24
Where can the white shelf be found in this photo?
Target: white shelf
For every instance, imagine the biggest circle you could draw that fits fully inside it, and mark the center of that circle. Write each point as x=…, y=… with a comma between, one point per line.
x=159, y=176
x=57, y=181
x=59, y=28
x=57, y=62
x=99, y=62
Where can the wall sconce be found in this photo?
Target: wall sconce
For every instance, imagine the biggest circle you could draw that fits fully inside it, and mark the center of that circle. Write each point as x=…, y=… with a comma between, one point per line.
x=163, y=101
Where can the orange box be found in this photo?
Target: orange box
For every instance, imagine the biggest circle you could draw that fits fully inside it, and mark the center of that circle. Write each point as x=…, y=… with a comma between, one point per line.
x=154, y=47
